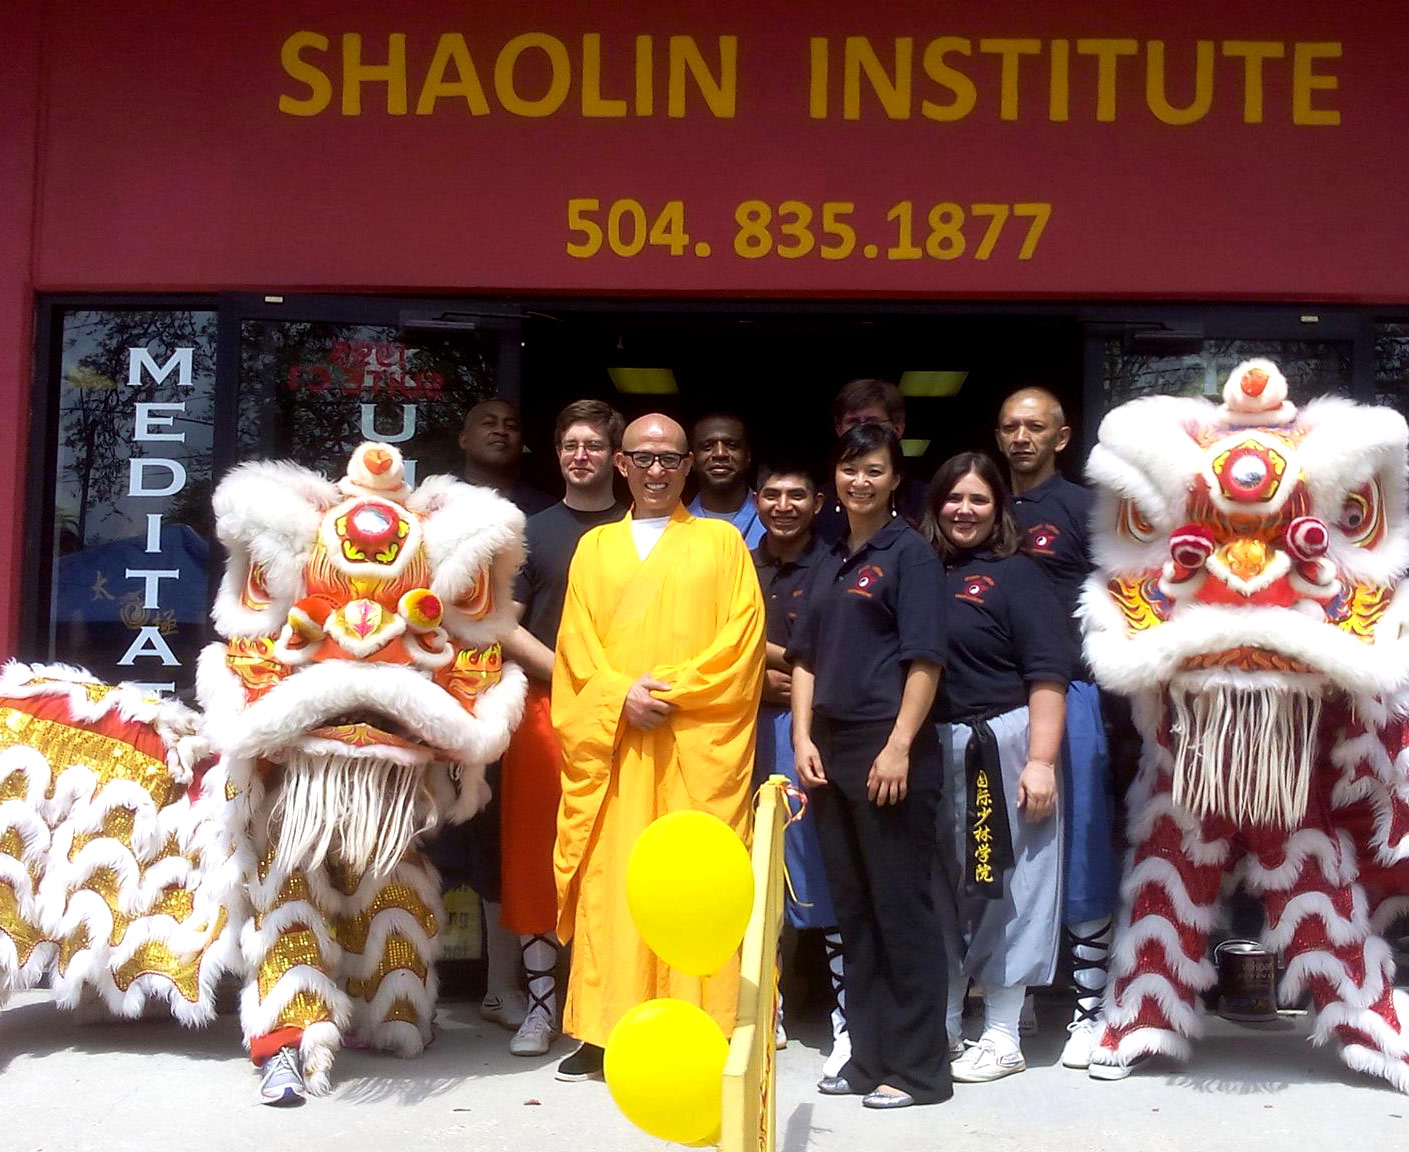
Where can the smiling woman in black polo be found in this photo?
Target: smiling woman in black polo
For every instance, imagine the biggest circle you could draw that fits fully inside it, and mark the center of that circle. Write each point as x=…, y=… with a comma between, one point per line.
x=866, y=656
x=1008, y=659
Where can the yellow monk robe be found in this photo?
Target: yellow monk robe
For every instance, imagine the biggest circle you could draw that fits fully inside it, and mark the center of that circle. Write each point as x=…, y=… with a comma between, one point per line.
x=690, y=615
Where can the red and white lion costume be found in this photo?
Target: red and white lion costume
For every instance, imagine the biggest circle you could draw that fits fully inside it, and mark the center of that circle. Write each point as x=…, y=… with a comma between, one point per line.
x=353, y=706
x=1248, y=598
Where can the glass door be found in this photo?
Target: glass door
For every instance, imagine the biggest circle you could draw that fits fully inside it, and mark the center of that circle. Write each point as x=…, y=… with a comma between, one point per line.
x=142, y=405
x=1189, y=351
x=316, y=378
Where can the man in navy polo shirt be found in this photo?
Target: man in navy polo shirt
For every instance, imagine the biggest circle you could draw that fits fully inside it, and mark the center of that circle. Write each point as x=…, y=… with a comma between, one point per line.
x=788, y=501
x=1054, y=513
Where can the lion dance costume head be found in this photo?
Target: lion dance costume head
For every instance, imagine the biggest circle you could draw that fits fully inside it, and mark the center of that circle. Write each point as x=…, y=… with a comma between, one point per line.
x=357, y=697
x=1249, y=599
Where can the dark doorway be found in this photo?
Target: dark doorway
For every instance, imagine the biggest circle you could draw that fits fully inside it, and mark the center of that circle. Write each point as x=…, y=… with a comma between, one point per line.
x=779, y=371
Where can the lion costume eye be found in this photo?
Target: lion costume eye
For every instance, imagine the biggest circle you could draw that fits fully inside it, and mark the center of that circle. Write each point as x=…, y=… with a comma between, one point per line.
x=1130, y=521
x=478, y=598
x=1362, y=518
x=255, y=594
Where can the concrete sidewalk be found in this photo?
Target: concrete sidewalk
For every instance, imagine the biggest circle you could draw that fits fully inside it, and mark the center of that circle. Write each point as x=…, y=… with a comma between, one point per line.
x=152, y=1086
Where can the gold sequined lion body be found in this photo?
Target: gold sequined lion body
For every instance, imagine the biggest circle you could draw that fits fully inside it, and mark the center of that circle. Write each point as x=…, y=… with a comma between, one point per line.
x=146, y=849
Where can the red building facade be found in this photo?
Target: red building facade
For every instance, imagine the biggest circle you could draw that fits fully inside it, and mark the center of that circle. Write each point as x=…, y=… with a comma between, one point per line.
x=234, y=229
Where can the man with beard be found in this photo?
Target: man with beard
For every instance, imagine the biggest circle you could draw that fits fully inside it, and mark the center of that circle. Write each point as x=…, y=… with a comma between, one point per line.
x=656, y=685
x=1054, y=514
x=720, y=444
x=586, y=434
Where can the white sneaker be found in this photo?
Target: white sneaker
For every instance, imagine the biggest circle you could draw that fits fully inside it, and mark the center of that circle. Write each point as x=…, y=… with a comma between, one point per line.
x=281, y=1079
x=1081, y=1039
x=983, y=1063
x=841, y=1053
x=1027, y=1018
x=508, y=1011
x=534, y=1037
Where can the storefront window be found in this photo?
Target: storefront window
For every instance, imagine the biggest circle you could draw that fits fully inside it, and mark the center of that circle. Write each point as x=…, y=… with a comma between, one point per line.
x=1312, y=368
x=1392, y=366
x=312, y=391
x=131, y=564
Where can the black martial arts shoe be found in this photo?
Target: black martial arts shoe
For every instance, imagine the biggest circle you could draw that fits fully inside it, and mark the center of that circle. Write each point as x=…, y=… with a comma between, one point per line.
x=584, y=1064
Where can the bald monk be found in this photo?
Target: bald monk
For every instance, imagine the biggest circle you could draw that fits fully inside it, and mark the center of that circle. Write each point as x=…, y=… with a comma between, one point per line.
x=656, y=684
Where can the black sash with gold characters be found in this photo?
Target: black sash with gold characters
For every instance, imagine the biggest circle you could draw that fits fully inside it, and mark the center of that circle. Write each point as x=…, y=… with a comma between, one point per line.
x=988, y=840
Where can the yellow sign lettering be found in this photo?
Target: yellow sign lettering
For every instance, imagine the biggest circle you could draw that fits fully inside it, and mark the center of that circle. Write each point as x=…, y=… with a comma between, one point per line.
x=1010, y=51
x=720, y=93
x=355, y=73
x=1305, y=82
x=320, y=88
x=452, y=49
x=965, y=93
x=1157, y=97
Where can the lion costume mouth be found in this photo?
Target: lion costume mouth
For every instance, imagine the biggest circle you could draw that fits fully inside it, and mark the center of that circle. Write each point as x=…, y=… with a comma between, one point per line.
x=1248, y=658
x=367, y=730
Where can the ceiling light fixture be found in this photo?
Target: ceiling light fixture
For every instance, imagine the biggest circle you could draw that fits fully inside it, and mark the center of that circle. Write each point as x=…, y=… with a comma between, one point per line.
x=644, y=381
x=932, y=383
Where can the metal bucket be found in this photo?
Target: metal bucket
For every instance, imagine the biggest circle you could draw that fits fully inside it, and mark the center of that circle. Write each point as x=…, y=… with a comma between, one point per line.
x=1247, y=982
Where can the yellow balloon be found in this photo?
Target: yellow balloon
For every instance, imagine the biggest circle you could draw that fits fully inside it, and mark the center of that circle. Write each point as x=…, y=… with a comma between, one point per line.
x=689, y=885
x=664, y=1066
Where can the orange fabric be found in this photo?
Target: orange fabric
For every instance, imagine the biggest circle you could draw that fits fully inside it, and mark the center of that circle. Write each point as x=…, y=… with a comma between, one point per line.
x=691, y=615
x=263, y=1047
x=530, y=790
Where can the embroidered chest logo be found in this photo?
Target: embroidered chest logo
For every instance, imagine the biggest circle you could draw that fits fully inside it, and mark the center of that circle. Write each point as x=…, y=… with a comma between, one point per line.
x=795, y=605
x=973, y=588
x=1042, y=539
x=868, y=578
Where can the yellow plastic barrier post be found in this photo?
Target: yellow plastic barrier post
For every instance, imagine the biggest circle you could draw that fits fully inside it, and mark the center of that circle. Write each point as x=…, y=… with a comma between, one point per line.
x=750, y=1076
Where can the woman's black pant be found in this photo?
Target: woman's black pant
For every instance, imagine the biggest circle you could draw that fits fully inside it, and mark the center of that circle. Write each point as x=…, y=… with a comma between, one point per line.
x=880, y=864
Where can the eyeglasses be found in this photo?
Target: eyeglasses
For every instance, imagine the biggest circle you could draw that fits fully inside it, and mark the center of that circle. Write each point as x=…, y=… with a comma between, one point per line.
x=591, y=447
x=667, y=460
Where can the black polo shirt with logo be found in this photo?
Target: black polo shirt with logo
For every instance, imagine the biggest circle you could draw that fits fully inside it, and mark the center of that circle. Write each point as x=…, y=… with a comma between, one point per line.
x=785, y=586
x=868, y=616
x=1055, y=518
x=1004, y=631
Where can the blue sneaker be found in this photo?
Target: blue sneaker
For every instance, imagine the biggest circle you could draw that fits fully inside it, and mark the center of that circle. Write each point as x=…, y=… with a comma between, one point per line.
x=281, y=1080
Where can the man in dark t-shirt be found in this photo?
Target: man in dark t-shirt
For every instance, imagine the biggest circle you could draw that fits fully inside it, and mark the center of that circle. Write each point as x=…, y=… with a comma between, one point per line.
x=1054, y=516
x=469, y=854
x=586, y=436
x=492, y=440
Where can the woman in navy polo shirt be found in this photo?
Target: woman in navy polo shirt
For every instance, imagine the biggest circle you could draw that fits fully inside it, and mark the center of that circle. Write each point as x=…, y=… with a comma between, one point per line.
x=866, y=656
x=1008, y=659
